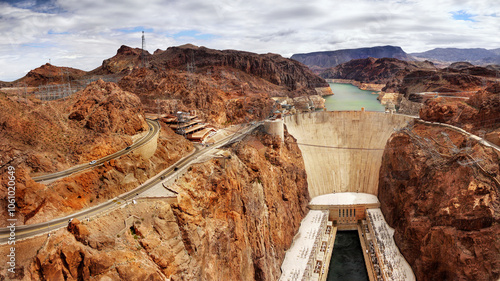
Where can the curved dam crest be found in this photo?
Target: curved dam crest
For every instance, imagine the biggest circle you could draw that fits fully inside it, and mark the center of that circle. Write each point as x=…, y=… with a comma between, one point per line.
x=343, y=150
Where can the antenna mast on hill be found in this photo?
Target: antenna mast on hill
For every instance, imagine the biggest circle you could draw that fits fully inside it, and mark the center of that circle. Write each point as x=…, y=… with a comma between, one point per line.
x=143, y=54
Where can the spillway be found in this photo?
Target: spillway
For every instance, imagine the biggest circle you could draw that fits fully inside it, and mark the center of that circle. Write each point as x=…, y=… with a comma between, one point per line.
x=342, y=150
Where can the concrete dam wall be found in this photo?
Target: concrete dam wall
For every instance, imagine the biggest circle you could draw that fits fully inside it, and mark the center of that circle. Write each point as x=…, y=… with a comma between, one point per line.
x=342, y=150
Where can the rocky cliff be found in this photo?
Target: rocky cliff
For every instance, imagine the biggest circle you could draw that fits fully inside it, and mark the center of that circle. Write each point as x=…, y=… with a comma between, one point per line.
x=234, y=219
x=220, y=98
x=440, y=191
x=479, y=115
x=319, y=61
x=55, y=135
x=223, y=87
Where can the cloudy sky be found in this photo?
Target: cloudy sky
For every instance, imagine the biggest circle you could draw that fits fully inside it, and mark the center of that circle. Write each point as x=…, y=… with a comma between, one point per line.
x=82, y=33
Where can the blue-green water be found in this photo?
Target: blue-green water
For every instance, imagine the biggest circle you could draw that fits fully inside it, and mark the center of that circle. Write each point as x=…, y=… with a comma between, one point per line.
x=347, y=263
x=349, y=97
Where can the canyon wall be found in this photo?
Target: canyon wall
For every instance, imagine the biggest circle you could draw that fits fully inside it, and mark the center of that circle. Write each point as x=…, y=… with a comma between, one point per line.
x=342, y=150
x=440, y=191
x=235, y=218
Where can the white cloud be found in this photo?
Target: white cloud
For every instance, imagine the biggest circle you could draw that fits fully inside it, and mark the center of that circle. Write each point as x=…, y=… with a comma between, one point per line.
x=81, y=34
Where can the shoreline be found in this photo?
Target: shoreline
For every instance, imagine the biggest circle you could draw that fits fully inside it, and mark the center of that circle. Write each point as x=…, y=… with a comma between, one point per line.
x=360, y=85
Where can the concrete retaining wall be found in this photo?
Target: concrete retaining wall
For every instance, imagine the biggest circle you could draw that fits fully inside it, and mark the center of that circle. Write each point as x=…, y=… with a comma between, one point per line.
x=342, y=150
x=148, y=149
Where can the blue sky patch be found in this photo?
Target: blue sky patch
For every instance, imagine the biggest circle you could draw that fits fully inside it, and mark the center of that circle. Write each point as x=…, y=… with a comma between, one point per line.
x=193, y=34
x=463, y=15
x=52, y=32
x=135, y=29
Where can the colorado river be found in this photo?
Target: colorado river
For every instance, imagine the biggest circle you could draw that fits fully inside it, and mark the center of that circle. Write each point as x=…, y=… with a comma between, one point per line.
x=347, y=263
x=349, y=97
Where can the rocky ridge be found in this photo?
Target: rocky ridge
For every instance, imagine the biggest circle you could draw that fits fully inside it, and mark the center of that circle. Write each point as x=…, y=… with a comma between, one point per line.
x=477, y=56
x=49, y=74
x=319, y=61
x=295, y=77
x=373, y=70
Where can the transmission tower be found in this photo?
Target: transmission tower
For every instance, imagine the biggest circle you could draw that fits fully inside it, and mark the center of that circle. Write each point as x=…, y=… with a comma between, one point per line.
x=143, y=53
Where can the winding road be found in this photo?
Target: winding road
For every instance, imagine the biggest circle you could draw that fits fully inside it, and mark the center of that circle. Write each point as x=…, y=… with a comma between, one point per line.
x=154, y=129
x=27, y=231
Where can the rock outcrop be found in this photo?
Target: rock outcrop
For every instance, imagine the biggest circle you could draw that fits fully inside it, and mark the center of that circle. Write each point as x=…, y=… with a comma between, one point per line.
x=105, y=108
x=49, y=74
x=47, y=137
x=224, y=98
x=442, y=81
x=125, y=60
x=479, y=115
x=440, y=191
x=223, y=87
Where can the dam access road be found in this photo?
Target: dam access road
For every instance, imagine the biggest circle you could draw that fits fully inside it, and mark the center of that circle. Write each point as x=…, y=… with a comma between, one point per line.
x=154, y=130
x=27, y=231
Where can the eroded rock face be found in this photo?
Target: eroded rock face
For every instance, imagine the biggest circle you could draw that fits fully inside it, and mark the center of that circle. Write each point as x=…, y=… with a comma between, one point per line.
x=234, y=219
x=105, y=108
x=123, y=62
x=243, y=211
x=221, y=98
x=479, y=115
x=441, y=194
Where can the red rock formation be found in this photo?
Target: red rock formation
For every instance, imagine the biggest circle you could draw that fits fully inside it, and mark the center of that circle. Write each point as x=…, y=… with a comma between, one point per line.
x=106, y=108
x=294, y=76
x=248, y=207
x=372, y=70
x=42, y=136
x=440, y=192
x=222, y=97
x=50, y=74
x=123, y=62
x=234, y=219
x=479, y=115
x=39, y=138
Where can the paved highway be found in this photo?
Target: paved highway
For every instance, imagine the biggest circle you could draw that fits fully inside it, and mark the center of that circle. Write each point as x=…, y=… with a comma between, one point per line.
x=27, y=231
x=154, y=128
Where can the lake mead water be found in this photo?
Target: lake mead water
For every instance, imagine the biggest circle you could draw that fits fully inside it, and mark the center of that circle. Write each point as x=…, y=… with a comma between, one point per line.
x=349, y=97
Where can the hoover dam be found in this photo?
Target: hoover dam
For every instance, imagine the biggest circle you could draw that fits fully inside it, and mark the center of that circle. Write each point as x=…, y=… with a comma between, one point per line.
x=342, y=152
